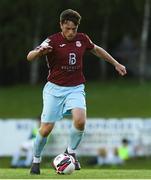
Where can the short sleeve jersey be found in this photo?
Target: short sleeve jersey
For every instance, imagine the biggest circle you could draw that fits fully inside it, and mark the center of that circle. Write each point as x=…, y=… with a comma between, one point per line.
x=66, y=59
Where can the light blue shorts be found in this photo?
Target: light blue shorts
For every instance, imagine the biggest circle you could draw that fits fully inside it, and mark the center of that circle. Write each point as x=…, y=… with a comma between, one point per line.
x=60, y=100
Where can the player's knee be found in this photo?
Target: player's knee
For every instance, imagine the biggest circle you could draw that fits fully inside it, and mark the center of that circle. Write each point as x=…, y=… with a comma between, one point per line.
x=44, y=132
x=79, y=117
x=45, y=129
x=79, y=123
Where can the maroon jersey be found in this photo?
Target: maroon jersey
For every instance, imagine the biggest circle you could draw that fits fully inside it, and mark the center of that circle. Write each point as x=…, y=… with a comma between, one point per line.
x=66, y=59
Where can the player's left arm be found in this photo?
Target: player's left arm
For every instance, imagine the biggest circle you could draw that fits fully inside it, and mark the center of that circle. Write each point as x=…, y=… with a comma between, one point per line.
x=101, y=53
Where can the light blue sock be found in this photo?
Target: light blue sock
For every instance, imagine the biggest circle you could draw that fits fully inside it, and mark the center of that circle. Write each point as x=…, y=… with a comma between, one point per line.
x=39, y=144
x=75, y=138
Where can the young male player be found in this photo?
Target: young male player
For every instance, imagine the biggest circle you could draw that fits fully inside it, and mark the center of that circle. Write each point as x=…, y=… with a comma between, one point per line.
x=64, y=91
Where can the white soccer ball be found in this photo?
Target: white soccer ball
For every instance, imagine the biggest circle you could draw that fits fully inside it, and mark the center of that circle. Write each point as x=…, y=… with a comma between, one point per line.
x=64, y=164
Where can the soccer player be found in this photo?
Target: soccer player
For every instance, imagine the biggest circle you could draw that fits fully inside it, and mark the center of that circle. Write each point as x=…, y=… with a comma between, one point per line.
x=64, y=91
x=25, y=149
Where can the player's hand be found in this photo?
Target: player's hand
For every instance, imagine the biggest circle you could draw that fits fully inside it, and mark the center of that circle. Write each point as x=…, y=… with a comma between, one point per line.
x=43, y=50
x=121, y=69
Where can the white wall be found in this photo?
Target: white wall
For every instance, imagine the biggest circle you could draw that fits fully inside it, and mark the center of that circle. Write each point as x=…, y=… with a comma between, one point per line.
x=99, y=133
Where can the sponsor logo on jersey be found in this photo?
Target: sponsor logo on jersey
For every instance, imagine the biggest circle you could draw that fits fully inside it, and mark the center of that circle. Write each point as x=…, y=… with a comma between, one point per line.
x=78, y=44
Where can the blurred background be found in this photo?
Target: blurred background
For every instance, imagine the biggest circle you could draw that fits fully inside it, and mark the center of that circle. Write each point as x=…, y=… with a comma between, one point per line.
x=123, y=28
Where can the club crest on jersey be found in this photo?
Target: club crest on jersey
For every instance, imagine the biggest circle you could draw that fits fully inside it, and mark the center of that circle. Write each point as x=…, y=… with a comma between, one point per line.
x=78, y=44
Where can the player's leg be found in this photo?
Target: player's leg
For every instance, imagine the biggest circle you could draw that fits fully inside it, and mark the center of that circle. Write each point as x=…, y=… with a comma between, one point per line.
x=50, y=114
x=75, y=102
x=41, y=138
x=79, y=118
x=40, y=141
x=76, y=133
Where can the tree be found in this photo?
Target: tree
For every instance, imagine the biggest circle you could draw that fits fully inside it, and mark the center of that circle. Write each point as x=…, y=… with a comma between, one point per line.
x=143, y=43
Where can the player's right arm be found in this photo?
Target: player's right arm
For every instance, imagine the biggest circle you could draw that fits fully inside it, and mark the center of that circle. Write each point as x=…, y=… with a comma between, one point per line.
x=38, y=52
x=44, y=48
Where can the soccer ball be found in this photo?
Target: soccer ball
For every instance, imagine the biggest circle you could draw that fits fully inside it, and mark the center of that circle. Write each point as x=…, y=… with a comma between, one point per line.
x=64, y=164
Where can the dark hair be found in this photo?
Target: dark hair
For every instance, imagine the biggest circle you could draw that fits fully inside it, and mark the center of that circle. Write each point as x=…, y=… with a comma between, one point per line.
x=125, y=141
x=70, y=15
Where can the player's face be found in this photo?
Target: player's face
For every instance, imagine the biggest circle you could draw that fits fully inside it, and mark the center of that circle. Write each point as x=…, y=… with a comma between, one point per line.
x=69, y=30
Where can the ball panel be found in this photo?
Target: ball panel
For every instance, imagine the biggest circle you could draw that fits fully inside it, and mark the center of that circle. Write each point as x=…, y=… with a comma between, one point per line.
x=64, y=164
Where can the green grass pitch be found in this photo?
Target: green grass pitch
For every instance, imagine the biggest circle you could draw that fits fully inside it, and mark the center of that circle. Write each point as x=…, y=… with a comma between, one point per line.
x=82, y=174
